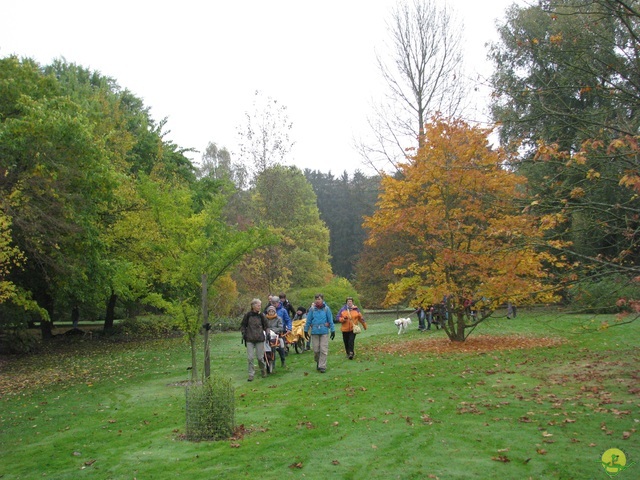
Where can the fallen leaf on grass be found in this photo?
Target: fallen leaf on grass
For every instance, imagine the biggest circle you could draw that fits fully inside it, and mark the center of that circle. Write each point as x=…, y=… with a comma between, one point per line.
x=335, y=462
x=296, y=465
x=501, y=458
x=88, y=463
x=235, y=445
x=502, y=450
x=309, y=425
x=626, y=435
x=541, y=451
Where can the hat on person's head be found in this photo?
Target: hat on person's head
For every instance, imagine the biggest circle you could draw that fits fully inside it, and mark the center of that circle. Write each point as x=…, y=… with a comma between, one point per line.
x=270, y=308
x=301, y=309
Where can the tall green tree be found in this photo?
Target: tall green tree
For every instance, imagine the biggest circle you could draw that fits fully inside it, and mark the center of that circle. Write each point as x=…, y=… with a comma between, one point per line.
x=343, y=203
x=284, y=202
x=567, y=97
x=56, y=185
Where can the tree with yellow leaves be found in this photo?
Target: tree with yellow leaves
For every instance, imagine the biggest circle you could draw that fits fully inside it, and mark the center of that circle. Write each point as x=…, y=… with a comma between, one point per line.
x=468, y=243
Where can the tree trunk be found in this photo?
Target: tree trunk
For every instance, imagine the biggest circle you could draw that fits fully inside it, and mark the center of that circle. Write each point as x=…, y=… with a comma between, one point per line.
x=194, y=364
x=111, y=312
x=207, y=327
x=460, y=337
x=455, y=326
x=75, y=316
x=46, y=326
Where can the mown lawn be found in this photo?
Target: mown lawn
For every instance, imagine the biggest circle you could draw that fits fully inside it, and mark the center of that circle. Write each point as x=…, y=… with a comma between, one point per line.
x=408, y=407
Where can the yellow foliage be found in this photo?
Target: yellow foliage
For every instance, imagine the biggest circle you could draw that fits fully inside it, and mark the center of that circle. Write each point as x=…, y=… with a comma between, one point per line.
x=455, y=214
x=577, y=192
x=556, y=39
x=592, y=174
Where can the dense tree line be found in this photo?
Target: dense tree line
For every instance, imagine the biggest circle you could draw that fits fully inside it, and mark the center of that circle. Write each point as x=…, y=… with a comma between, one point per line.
x=99, y=212
x=344, y=202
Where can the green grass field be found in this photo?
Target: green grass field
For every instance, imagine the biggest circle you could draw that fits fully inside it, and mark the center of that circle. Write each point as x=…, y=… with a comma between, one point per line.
x=408, y=407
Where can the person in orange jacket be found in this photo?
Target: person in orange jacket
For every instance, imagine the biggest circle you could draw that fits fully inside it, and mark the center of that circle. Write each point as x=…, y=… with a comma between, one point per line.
x=350, y=316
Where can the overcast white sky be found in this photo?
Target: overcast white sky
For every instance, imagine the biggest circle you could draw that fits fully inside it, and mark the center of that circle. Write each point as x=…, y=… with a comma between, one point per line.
x=199, y=62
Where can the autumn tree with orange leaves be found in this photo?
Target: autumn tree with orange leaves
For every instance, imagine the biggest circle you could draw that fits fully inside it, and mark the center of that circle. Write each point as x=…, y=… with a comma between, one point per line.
x=459, y=214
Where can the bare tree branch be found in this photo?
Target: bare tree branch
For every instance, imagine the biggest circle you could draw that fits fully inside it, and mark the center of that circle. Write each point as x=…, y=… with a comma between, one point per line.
x=422, y=70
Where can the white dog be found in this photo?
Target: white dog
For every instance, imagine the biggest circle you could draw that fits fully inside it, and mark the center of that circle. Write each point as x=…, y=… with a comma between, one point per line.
x=402, y=324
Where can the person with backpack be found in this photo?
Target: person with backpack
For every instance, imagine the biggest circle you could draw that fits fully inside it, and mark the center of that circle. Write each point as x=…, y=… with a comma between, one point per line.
x=320, y=324
x=253, y=327
x=286, y=304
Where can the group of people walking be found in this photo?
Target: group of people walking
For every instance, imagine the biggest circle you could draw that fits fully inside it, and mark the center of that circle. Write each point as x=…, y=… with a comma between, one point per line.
x=319, y=328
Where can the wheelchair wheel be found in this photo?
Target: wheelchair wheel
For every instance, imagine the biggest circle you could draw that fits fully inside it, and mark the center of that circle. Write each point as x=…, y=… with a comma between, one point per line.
x=299, y=345
x=269, y=361
x=271, y=364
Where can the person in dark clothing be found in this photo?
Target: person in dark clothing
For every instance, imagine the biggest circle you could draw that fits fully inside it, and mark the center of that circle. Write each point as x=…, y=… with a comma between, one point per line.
x=286, y=304
x=422, y=315
x=253, y=327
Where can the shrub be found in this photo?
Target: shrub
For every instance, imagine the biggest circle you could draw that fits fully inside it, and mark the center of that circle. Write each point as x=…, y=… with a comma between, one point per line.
x=153, y=326
x=604, y=295
x=210, y=410
x=18, y=341
x=225, y=324
x=335, y=293
x=15, y=336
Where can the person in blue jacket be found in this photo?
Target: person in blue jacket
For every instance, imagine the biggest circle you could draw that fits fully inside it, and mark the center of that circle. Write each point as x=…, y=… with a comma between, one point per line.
x=320, y=323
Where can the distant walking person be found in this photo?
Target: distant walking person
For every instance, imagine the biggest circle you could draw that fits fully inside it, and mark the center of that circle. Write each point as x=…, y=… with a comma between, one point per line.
x=275, y=325
x=320, y=323
x=253, y=327
x=286, y=304
x=350, y=318
x=422, y=316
